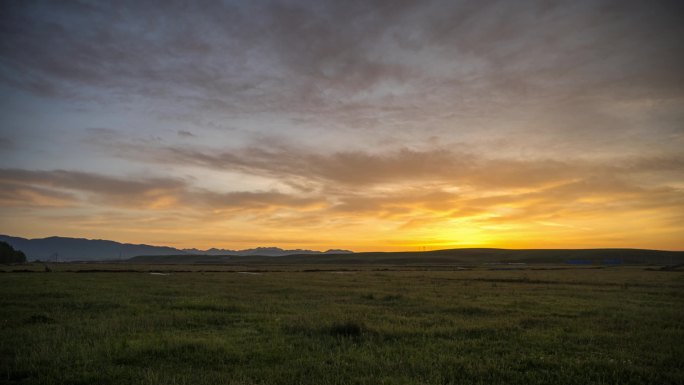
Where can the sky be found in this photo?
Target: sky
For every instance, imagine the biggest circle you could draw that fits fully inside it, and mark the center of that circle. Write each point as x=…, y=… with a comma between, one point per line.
x=362, y=125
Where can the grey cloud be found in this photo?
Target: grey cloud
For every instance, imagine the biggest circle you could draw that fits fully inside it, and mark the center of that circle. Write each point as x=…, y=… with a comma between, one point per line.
x=249, y=200
x=19, y=194
x=103, y=189
x=130, y=48
x=89, y=182
x=316, y=58
x=306, y=168
x=59, y=187
x=185, y=134
x=354, y=168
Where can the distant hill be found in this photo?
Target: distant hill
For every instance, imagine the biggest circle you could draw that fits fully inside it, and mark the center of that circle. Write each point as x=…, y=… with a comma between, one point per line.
x=447, y=257
x=79, y=249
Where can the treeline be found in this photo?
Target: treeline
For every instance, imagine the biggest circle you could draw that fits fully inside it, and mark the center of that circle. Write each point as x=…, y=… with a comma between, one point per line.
x=9, y=255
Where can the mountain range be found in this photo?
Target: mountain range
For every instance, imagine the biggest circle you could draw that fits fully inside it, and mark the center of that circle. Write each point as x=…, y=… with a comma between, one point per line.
x=79, y=249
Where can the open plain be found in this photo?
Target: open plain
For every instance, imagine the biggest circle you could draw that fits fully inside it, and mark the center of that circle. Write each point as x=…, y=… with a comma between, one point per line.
x=347, y=324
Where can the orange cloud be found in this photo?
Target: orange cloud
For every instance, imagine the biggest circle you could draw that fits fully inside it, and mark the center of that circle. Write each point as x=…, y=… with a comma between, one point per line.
x=396, y=200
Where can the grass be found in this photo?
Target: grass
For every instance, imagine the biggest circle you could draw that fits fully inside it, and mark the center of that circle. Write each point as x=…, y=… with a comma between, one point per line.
x=576, y=326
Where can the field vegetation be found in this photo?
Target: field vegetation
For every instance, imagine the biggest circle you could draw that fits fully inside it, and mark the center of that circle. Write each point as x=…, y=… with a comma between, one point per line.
x=186, y=325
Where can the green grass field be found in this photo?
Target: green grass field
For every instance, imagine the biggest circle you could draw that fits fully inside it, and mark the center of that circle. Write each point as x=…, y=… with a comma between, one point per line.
x=618, y=325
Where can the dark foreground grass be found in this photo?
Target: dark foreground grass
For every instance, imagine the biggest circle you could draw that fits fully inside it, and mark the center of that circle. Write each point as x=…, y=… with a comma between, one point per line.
x=610, y=326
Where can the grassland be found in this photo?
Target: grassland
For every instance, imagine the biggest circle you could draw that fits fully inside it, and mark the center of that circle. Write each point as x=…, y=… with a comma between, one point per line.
x=617, y=325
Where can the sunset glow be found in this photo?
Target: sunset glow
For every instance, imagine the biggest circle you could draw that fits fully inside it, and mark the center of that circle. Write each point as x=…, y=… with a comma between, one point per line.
x=353, y=125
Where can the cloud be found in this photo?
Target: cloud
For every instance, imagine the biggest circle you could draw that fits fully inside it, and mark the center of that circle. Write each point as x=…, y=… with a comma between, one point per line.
x=22, y=195
x=406, y=187
x=525, y=77
x=306, y=168
x=327, y=58
x=408, y=115
x=60, y=187
x=89, y=182
x=185, y=134
x=584, y=204
x=248, y=200
x=102, y=189
x=402, y=183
